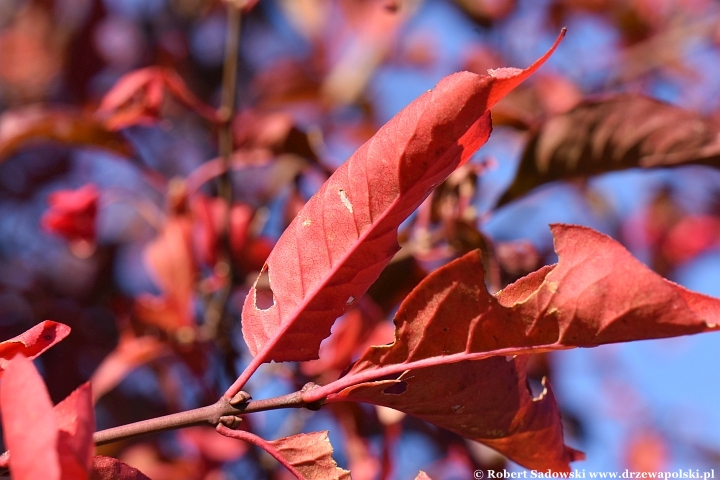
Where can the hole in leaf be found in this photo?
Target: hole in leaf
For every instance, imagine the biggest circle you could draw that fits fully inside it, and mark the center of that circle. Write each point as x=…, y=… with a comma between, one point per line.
x=264, y=297
x=536, y=388
x=396, y=389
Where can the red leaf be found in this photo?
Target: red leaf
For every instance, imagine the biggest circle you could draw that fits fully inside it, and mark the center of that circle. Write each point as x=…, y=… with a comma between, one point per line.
x=617, y=133
x=597, y=293
x=29, y=428
x=76, y=424
x=108, y=468
x=45, y=442
x=422, y=476
x=346, y=234
x=456, y=396
x=72, y=213
x=210, y=215
x=32, y=124
x=136, y=99
x=306, y=455
x=130, y=353
x=691, y=236
x=173, y=268
x=32, y=342
x=311, y=455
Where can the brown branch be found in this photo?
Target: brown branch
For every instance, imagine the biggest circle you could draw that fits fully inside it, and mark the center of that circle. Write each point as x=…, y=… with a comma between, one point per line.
x=213, y=415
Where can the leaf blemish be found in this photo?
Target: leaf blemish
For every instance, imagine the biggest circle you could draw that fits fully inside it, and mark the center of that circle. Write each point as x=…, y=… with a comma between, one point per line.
x=456, y=408
x=346, y=201
x=350, y=300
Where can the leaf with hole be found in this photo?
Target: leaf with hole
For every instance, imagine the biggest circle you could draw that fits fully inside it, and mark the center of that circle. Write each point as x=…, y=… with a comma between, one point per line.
x=341, y=240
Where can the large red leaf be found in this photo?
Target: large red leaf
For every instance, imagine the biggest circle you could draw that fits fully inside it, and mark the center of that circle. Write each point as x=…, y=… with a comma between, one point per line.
x=346, y=234
x=45, y=442
x=32, y=342
x=29, y=428
x=597, y=293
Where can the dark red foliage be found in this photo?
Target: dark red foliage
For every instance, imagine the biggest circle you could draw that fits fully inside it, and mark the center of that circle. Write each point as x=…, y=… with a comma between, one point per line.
x=72, y=213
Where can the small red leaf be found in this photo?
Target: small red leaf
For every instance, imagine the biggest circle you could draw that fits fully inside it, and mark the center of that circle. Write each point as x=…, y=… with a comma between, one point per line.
x=311, y=455
x=307, y=455
x=29, y=427
x=173, y=268
x=72, y=213
x=32, y=342
x=108, y=468
x=345, y=235
x=136, y=99
x=76, y=424
x=130, y=353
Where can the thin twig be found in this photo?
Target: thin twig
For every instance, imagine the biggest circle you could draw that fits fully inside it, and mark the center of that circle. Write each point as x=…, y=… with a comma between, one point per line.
x=216, y=308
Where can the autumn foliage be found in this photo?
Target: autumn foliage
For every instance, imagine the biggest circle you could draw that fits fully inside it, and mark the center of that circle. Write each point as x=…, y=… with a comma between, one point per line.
x=204, y=303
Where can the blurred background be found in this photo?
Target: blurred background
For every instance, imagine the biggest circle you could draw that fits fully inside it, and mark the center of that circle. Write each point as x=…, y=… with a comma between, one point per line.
x=110, y=219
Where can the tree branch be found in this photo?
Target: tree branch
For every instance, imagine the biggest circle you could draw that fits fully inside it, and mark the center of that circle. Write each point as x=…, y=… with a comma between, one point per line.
x=210, y=415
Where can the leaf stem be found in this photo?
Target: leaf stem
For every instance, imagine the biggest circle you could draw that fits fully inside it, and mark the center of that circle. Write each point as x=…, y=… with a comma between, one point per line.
x=260, y=442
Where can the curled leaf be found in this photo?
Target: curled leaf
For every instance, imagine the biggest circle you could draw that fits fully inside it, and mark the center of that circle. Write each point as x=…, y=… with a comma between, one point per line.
x=620, y=132
x=137, y=98
x=28, y=125
x=32, y=342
